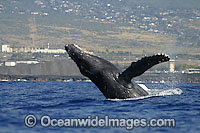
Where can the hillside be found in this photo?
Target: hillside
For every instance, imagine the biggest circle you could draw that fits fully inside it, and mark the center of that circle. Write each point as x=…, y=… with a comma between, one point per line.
x=140, y=27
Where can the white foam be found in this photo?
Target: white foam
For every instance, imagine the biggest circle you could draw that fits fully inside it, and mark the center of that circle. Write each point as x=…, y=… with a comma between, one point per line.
x=165, y=92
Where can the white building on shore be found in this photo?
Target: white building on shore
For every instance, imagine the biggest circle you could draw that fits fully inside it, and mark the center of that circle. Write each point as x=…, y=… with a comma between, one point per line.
x=8, y=49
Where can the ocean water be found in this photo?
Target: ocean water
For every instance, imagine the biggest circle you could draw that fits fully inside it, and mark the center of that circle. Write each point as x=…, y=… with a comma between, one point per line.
x=73, y=100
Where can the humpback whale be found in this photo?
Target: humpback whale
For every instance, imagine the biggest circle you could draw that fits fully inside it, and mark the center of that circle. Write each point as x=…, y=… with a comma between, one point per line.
x=113, y=83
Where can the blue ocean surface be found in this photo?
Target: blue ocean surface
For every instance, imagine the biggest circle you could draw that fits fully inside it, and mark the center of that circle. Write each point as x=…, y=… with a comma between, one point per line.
x=71, y=100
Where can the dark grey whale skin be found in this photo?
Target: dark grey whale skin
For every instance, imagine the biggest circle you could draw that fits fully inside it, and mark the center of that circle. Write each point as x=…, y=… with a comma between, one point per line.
x=113, y=83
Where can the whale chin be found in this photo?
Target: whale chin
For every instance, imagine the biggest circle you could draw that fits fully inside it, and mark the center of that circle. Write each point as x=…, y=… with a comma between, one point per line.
x=108, y=78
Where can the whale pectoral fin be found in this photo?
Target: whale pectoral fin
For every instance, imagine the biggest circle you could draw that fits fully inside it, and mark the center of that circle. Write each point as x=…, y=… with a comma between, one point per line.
x=139, y=67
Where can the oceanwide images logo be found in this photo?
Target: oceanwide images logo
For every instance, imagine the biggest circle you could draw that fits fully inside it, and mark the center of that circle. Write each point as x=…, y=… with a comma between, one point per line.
x=130, y=123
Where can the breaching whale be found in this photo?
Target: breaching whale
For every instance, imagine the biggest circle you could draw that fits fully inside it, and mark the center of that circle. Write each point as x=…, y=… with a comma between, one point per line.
x=113, y=83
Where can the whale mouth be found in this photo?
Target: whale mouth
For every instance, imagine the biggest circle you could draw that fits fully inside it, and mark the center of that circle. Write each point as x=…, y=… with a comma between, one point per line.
x=73, y=48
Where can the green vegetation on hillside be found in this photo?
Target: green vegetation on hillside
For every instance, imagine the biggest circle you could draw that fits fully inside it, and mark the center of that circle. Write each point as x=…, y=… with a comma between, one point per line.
x=118, y=30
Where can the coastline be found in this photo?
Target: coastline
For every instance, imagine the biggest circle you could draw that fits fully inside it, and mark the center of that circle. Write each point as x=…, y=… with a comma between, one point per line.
x=146, y=77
